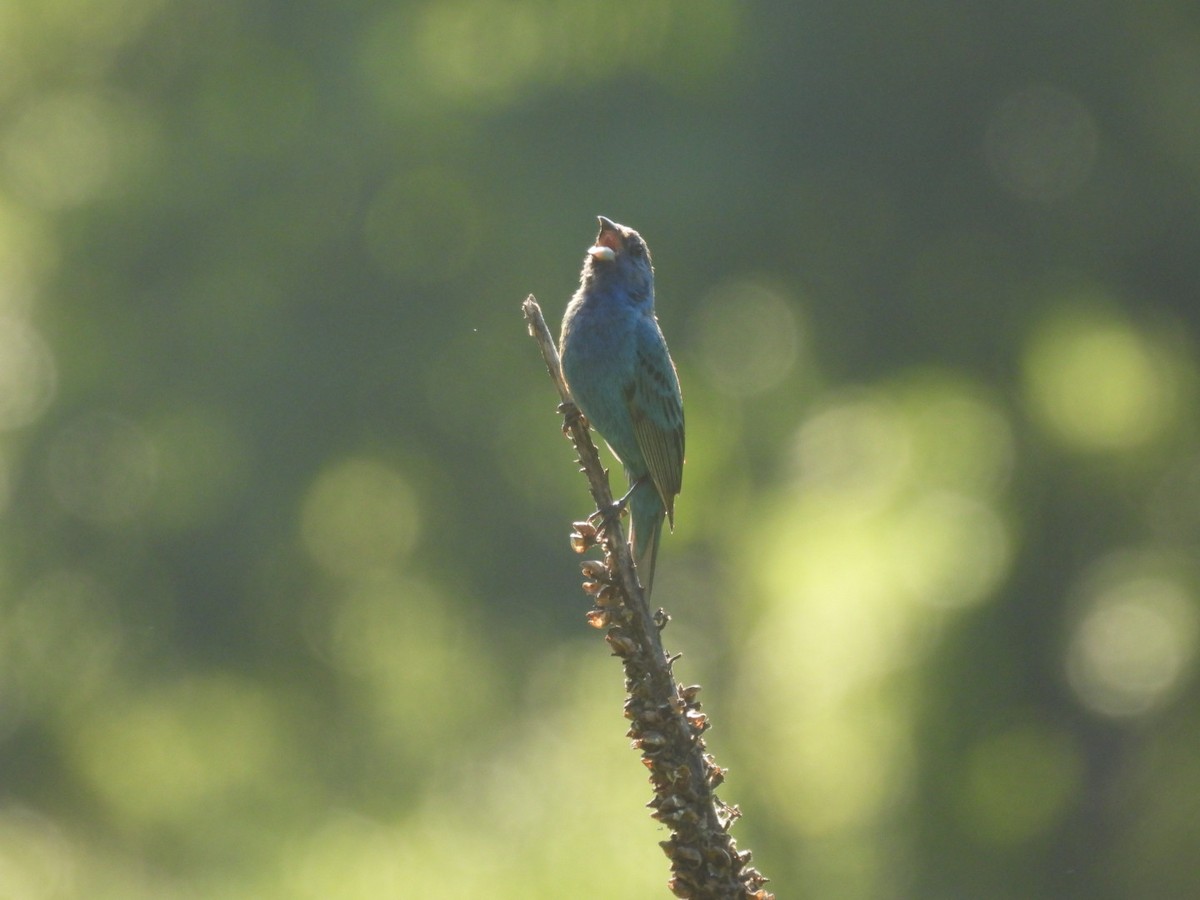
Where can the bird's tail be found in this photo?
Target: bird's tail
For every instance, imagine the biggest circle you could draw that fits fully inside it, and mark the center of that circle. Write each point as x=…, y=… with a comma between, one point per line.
x=646, y=513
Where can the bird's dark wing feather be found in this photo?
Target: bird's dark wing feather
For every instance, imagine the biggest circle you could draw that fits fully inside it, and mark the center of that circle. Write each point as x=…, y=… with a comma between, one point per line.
x=656, y=410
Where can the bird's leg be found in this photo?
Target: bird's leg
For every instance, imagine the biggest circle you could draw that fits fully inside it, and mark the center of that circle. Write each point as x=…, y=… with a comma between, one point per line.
x=618, y=506
x=587, y=532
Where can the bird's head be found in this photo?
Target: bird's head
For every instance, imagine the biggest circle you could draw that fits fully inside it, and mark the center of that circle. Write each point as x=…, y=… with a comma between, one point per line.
x=620, y=258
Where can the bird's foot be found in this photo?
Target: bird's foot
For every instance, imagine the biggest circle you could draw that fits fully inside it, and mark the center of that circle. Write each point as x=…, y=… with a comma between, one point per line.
x=616, y=509
x=608, y=514
x=571, y=414
x=590, y=529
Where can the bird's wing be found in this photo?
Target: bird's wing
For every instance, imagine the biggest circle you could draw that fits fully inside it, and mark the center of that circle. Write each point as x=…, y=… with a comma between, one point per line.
x=656, y=410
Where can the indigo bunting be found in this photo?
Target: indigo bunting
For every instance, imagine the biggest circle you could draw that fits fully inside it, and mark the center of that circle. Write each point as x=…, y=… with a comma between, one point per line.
x=622, y=378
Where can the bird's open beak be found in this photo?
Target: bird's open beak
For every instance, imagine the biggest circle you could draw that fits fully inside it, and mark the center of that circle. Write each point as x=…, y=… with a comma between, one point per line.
x=607, y=242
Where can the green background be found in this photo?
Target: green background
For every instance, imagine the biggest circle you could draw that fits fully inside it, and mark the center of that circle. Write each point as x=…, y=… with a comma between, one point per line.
x=287, y=607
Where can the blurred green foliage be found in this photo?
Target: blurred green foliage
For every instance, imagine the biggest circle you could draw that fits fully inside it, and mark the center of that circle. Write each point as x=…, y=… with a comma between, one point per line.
x=286, y=603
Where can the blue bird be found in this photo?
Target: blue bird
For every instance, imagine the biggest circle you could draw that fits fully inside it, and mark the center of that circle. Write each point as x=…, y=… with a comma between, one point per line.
x=622, y=378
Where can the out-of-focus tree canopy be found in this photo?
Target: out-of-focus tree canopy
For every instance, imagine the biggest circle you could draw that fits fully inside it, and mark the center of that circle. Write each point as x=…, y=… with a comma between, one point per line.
x=286, y=604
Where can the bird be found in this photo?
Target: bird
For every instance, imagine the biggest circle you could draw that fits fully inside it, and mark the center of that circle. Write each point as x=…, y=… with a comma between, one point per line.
x=622, y=378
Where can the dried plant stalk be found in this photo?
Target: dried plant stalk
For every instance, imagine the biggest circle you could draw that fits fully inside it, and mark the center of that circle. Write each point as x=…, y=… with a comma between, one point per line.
x=667, y=724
